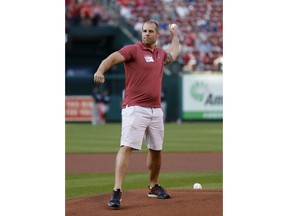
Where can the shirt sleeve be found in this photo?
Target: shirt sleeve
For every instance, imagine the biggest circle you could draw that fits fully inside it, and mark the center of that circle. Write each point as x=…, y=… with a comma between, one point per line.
x=128, y=52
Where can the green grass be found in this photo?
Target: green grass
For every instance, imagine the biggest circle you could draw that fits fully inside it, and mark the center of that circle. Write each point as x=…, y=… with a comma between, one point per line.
x=185, y=137
x=79, y=185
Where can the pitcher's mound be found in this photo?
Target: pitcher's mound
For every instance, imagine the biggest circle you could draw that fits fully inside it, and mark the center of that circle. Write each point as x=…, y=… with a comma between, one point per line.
x=182, y=203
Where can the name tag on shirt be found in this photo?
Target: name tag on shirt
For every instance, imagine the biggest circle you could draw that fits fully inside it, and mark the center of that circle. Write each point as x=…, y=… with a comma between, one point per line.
x=149, y=59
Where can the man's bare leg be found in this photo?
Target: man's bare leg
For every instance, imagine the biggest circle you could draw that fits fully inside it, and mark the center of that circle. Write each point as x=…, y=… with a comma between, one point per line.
x=154, y=159
x=121, y=165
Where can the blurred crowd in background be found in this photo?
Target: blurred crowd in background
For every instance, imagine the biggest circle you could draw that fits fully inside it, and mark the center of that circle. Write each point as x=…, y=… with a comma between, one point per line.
x=100, y=105
x=200, y=23
x=87, y=13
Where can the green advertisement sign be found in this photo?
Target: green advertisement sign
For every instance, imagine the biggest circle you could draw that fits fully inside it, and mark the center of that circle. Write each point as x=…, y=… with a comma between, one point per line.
x=202, y=96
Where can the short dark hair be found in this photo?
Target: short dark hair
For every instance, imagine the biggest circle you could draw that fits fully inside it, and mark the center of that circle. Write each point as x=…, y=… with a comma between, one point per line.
x=151, y=22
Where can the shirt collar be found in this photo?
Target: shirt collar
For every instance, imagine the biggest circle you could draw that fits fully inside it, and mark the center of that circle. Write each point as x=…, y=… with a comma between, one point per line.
x=142, y=45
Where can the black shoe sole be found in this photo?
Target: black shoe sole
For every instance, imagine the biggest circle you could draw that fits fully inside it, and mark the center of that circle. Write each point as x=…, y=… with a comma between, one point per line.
x=159, y=197
x=113, y=205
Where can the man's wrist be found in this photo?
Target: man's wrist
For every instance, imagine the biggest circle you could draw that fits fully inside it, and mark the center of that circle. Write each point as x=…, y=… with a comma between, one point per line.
x=99, y=72
x=176, y=36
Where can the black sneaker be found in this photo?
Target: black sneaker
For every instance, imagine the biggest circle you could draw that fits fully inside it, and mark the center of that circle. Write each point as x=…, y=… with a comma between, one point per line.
x=115, y=199
x=158, y=191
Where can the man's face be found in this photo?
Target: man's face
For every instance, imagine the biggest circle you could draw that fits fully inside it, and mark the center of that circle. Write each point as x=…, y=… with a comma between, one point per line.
x=149, y=34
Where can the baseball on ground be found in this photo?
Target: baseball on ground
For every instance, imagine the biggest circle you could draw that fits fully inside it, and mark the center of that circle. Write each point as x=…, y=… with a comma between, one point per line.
x=197, y=186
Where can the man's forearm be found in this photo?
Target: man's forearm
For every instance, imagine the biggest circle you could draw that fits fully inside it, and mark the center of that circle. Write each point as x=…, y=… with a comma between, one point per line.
x=105, y=65
x=111, y=60
x=174, y=47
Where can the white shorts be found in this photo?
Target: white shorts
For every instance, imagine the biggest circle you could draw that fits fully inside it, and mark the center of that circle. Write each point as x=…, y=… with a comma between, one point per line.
x=139, y=122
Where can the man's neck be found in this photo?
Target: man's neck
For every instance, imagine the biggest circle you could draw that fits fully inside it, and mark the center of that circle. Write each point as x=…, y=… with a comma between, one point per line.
x=150, y=46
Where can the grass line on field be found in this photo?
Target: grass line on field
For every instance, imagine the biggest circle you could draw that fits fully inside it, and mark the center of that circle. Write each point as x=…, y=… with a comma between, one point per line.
x=80, y=185
x=185, y=137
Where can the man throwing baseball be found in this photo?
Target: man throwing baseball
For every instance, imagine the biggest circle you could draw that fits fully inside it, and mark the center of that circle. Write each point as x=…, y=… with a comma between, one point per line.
x=141, y=109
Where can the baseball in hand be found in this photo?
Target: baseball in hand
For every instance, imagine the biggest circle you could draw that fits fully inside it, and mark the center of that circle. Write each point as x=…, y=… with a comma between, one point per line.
x=197, y=186
x=173, y=26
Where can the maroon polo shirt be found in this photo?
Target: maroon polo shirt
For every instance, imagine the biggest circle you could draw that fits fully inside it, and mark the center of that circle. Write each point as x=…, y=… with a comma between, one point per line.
x=143, y=75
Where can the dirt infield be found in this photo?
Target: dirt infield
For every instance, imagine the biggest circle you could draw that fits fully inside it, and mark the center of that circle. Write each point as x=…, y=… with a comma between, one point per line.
x=171, y=162
x=135, y=202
